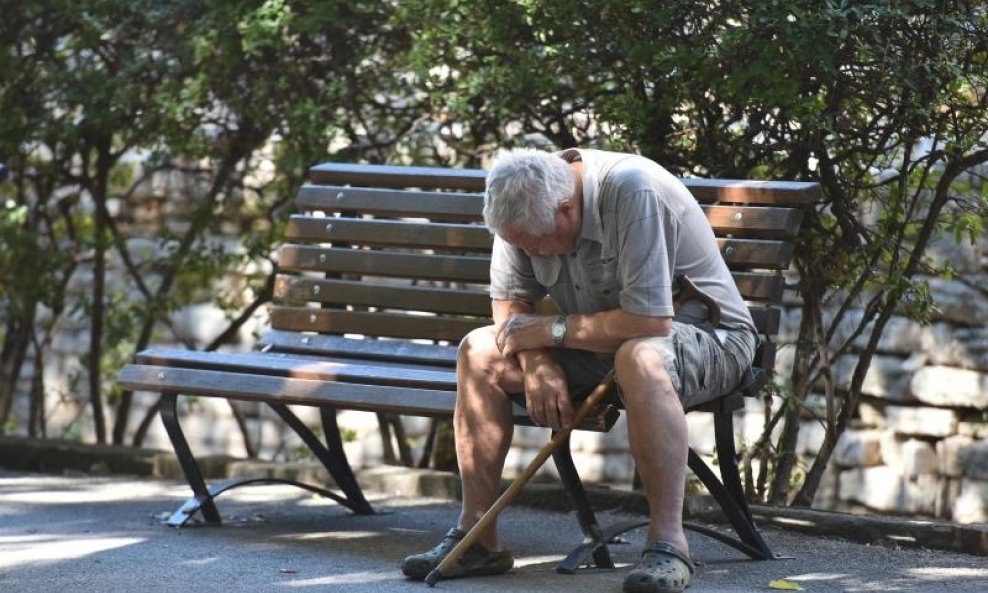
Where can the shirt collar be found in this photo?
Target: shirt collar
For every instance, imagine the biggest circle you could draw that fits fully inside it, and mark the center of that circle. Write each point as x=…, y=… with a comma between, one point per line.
x=592, y=228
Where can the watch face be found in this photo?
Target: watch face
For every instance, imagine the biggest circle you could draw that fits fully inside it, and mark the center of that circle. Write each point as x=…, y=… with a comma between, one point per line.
x=558, y=331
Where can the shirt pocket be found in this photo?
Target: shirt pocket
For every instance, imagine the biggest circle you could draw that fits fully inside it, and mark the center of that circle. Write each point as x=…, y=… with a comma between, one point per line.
x=605, y=282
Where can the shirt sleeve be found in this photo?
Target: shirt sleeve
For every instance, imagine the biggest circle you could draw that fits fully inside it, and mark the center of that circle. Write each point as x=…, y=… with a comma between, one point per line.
x=512, y=277
x=647, y=235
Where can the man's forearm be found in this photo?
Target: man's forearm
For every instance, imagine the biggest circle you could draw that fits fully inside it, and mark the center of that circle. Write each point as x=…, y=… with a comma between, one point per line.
x=607, y=330
x=599, y=332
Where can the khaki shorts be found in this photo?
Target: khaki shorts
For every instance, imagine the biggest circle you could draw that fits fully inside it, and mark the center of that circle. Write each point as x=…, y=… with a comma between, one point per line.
x=703, y=364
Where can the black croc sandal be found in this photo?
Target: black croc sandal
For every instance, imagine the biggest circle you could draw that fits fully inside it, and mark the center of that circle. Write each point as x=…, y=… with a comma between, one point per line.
x=662, y=569
x=476, y=561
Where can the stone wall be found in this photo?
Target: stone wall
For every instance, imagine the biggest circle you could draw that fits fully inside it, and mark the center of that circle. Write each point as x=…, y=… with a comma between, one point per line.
x=919, y=446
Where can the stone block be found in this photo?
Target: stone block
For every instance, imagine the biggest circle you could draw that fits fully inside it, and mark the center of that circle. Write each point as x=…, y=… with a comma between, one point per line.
x=811, y=437
x=887, y=376
x=859, y=448
x=877, y=488
x=531, y=437
x=518, y=458
x=366, y=452
x=971, y=504
x=891, y=445
x=702, y=437
x=826, y=496
x=973, y=458
x=976, y=430
x=883, y=488
x=900, y=336
x=921, y=421
x=962, y=255
x=871, y=415
x=965, y=347
x=789, y=326
x=265, y=434
x=950, y=386
x=958, y=302
x=200, y=322
x=918, y=458
x=618, y=468
x=949, y=490
x=948, y=454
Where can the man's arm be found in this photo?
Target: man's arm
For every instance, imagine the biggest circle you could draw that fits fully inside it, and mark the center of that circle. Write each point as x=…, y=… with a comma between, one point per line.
x=527, y=358
x=598, y=332
x=546, y=393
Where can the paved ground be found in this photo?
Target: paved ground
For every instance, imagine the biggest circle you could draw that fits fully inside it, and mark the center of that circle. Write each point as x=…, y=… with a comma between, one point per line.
x=104, y=534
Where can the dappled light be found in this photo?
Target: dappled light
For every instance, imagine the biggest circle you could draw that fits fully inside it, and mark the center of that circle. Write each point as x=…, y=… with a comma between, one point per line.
x=53, y=548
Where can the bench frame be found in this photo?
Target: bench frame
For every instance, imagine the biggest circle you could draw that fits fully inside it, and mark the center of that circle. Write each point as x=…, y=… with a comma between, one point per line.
x=323, y=368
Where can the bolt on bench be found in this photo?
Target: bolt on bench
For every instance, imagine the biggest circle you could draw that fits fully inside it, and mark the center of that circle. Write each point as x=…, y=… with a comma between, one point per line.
x=383, y=270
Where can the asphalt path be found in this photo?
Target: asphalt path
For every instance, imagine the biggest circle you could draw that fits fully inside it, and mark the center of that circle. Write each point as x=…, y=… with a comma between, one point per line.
x=64, y=534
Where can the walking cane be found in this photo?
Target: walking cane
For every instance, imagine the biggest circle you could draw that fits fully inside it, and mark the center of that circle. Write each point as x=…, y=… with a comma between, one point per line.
x=512, y=492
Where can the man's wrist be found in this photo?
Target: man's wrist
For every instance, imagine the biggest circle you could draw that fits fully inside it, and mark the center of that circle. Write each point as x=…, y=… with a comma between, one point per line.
x=558, y=331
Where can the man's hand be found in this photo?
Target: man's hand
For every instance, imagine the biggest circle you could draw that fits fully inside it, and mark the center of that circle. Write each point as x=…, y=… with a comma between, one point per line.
x=546, y=393
x=524, y=332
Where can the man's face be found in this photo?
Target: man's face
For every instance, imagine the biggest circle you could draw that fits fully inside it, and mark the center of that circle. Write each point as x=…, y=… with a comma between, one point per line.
x=561, y=240
x=535, y=245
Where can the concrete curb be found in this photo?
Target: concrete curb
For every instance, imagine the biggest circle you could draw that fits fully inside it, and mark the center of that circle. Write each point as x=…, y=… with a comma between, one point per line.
x=57, y=456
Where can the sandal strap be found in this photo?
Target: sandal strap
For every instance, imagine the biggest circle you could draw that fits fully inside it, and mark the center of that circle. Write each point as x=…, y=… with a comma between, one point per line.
x=661, y=547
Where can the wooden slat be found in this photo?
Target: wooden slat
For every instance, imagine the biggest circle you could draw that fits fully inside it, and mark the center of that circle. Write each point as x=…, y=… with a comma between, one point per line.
x=367, y=294
x=766, y=319
x=794, y=193
x=383, y=350
x=445, y=236
x=746, y=191
x=748, y=221
x=299, y=391
x=760, y=287
x=754, y=223
x=398, y=176
x=455, y=268
x=283, y=365
x=286, y=390
x=392, y=203
x=738, y=252
x=396, y=325
x=755, y=287
x=755, y=253
x=393, y=325
x=765, y=356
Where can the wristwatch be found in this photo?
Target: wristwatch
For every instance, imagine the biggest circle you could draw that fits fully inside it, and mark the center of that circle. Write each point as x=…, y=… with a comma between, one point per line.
x=559, y=330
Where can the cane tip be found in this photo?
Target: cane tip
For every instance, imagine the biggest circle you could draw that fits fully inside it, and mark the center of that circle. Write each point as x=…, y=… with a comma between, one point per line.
x=433, y=578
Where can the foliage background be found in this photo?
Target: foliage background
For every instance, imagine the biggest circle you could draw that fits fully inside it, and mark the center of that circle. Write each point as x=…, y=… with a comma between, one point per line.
x=883, y=103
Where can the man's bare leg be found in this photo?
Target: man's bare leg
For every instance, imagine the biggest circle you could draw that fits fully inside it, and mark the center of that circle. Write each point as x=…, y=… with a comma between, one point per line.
x=658, y=438
x=483, y=425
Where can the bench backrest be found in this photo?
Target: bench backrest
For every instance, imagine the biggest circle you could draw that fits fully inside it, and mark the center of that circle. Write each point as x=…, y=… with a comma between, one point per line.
x=402, y=252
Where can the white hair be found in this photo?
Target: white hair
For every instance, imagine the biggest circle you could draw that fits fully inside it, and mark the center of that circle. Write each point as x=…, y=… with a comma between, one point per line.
x=524, y=189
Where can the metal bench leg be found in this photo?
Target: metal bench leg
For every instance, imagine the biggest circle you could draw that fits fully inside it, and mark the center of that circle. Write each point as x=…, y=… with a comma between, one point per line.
x=332, y=457
x=594, y=541
x=728, y=493
x=202, y=500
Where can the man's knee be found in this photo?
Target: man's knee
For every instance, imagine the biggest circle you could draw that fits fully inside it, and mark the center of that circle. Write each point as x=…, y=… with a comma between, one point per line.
x=477, y=345
x=639, y=356
x=640, y=365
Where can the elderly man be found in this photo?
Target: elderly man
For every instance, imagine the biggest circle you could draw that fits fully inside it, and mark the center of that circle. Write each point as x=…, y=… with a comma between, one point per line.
x=605, y=235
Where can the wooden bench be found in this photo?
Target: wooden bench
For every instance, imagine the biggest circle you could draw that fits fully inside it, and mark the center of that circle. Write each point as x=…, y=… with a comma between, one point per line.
x=383, y=270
